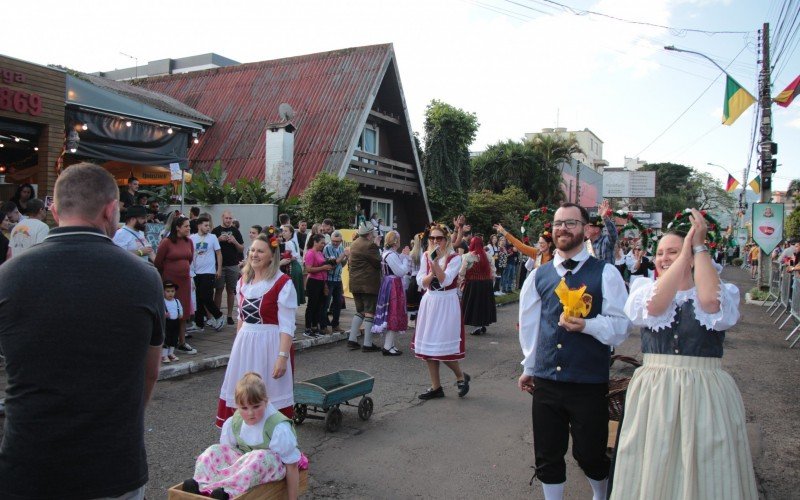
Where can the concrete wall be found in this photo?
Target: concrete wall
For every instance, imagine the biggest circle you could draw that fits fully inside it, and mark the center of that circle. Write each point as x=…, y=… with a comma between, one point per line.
x=247, y=215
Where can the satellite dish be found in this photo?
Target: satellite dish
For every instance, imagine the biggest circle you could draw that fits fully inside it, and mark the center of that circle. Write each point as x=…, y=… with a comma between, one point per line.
x=285, y=112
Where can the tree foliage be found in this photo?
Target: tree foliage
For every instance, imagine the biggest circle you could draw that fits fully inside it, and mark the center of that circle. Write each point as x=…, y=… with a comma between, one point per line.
x=448, y=133
x=792, y=223
x=533, y=166
x=211, y=188
x=327, y=196
x=486, y=208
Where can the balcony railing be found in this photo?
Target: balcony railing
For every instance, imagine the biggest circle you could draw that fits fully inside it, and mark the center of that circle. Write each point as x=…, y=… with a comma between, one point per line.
x=379, y=172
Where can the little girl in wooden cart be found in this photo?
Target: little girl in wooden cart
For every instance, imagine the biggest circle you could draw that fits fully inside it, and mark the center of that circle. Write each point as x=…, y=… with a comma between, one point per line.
x=258, y=445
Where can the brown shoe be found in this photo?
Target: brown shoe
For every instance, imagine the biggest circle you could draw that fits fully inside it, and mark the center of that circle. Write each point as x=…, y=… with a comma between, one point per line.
x=337, y=329
x=326, y=331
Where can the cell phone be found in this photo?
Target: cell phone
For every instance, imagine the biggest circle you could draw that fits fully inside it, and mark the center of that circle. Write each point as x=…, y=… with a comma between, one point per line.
x=435, y=254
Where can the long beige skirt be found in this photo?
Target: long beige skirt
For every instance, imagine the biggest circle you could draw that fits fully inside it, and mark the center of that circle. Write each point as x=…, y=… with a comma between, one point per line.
x=683, y=435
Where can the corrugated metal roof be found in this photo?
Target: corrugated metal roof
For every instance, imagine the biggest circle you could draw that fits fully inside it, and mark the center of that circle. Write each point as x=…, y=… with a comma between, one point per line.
x=330, y=93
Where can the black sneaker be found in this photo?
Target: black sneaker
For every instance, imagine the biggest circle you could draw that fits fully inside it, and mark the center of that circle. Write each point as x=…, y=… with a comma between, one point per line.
x=309, y=333
x=185, y=348
x=432, y=394
x=219, y=494
x=463, y=385
x=191, y=486
x=230, y=320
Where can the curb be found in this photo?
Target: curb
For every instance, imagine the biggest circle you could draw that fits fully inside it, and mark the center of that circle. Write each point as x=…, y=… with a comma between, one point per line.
x=188, y=367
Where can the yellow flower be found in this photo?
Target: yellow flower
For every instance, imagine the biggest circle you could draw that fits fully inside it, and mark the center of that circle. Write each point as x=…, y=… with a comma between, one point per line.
x=577, y=303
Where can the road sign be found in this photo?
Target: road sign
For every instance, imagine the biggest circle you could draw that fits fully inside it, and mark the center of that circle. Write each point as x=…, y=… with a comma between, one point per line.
x=626, y=184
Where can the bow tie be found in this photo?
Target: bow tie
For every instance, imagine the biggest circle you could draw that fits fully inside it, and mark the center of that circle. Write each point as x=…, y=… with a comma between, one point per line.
x=569, y=264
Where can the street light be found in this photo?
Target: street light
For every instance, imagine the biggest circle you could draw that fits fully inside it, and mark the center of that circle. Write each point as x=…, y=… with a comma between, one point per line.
x=675, y=49
x=720, y=166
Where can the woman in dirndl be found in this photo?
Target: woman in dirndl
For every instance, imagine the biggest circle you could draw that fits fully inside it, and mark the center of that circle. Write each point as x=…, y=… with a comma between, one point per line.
x=683, y=433
x=478, y=300
x=439, y=334
x=263, y=344
x=390, y=310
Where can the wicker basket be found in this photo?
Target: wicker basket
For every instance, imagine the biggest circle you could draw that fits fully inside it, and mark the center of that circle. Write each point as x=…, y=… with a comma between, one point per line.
x=617, y=387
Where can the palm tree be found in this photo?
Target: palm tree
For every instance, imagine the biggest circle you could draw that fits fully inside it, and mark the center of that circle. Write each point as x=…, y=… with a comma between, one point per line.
x=554, y=152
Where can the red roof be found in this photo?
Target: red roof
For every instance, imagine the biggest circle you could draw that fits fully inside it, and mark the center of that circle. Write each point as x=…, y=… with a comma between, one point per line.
x=330, y=92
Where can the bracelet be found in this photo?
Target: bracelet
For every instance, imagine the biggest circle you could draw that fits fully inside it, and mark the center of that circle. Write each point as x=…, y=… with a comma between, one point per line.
x=699, y=249
x=283, y=354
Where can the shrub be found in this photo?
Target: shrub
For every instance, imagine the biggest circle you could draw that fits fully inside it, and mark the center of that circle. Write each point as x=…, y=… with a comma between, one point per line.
x=330, y=197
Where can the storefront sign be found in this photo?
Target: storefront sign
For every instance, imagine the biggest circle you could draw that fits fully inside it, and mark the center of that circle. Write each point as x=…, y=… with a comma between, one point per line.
x=16, y=100
x=767, y=225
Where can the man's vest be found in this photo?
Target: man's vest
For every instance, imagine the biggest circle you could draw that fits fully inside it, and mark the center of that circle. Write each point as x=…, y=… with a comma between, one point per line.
x=269, y=429
x=564, y=356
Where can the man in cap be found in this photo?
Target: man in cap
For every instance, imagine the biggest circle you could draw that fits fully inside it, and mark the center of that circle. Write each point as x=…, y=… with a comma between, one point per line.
x=602, y=244
x=365, y=282
x=131, y=236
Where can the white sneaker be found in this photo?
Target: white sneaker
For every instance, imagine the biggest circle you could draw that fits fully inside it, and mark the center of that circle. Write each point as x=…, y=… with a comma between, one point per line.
x=497, y=294
x=219, y=323
x=192, y=327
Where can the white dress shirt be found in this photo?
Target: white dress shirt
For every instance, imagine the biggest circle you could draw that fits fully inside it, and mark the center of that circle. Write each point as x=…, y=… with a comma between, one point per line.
x=609, y=327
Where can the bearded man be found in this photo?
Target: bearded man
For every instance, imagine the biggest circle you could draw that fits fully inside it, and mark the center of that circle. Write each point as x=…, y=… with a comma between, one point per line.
x=131, y=236
x=566, y=358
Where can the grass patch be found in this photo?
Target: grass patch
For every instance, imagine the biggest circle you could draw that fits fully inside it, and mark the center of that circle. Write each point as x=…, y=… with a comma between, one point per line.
x=505, y=299
x=758, y=294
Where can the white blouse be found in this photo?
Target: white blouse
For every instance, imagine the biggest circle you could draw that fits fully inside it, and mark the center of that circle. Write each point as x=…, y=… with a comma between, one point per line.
x=291, y=246
x=287, y=300
x=283, y=441
x=450, y=273
x=643, y=289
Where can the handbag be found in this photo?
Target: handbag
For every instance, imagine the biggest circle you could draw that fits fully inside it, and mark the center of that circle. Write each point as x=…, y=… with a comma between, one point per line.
x=325, y=290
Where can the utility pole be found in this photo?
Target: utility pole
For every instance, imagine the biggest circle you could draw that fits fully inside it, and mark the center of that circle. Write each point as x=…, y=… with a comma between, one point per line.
x=767, y=147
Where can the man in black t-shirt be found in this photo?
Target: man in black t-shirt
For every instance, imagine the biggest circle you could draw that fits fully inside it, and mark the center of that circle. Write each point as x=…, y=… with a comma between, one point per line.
x=82, y=355
x=232, y=244
x=194, y=213
x=127, y=195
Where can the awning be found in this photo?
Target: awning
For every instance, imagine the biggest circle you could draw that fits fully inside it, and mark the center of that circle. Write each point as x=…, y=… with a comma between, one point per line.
x=148, y=175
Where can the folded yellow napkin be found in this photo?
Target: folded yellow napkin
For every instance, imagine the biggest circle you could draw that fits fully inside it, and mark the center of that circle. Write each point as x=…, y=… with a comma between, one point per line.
x=577, y=303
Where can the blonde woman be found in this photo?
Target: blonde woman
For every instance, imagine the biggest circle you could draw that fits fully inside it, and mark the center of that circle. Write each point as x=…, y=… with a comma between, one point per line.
x=439, y=335
x=414, y=292
x=265, y=329
x=390, y=311
x=683, y=434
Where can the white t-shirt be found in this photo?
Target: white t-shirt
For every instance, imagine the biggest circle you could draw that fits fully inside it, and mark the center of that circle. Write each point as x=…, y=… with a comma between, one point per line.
x=130, y=240
x=205, y=253
x=173, y=308
x=25, y=234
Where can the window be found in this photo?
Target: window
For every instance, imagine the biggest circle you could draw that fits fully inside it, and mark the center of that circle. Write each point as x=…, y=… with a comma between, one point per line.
x=384, y=210
x=368, y=143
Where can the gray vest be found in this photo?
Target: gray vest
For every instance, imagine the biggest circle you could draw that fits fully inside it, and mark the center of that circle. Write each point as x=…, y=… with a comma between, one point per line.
x=684, y=337
x=564, y=356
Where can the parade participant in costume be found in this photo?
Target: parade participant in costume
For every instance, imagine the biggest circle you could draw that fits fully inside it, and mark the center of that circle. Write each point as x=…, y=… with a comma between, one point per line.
x=258, y=445
x=365, y=283
x=478, y=300
x=542, y=251
x=265, y=330
x=292, y=252
x=566, y=356
x=390, y=310
x=414, y=292
x=684, y=434
x=439, y=334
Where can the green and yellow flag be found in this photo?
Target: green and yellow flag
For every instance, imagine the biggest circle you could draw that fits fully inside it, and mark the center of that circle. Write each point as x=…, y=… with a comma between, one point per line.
x=755, y=184
x=737, y=100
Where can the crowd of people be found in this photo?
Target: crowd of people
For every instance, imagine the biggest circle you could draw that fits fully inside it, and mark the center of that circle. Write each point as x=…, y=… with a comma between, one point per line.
x=446, y=277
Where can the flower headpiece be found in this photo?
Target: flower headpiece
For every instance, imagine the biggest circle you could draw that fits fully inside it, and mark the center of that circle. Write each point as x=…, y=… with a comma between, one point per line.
x=645, y=233
x=272, y=236
x=538, y=221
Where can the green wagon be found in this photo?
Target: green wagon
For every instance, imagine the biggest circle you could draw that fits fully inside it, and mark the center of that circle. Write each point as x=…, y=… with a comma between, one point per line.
x=325, y=394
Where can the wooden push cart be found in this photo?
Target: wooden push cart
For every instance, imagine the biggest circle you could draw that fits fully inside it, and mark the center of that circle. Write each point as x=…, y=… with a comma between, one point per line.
x=326, y=393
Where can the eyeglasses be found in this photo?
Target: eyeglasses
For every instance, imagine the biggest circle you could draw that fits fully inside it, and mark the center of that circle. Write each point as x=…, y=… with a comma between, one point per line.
x=436, y=238
x=569, y=223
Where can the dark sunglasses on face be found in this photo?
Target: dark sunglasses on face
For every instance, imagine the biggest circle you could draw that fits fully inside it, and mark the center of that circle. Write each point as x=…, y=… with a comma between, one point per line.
x=436, y=238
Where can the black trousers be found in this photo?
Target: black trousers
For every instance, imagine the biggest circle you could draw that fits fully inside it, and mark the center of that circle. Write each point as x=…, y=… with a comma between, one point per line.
x=171, y=332
x=315, y=297
x=204, y=291
x=564, y=408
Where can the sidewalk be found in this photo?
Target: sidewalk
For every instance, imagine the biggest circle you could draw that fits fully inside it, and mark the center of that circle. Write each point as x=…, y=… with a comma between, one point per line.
x=214, y=348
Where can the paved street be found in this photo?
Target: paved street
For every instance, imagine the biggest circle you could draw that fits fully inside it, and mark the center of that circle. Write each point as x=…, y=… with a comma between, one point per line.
x=472, y=448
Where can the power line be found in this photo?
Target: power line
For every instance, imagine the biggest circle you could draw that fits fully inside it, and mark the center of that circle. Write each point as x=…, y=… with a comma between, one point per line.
x=582, y=12
x=688, y=108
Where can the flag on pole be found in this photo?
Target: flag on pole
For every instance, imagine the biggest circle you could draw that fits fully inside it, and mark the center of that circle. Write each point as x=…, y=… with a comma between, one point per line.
x=786, y=97
x=732, y=184
x=737, y=100
x=756, y=184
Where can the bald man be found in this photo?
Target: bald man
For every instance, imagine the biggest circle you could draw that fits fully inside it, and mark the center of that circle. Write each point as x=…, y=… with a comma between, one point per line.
x=231, y=244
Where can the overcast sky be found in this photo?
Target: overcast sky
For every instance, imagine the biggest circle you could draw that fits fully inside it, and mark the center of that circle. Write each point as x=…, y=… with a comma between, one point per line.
x=519, y=65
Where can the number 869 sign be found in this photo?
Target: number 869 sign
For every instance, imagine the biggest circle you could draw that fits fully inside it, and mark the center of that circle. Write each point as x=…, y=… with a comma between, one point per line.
x=20, y=102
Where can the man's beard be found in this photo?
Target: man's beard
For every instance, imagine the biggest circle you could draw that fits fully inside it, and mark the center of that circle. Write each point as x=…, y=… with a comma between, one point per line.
x=573, y=243
x=139, y=226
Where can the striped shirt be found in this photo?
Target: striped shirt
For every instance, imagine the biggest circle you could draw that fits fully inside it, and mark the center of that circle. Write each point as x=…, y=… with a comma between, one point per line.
x=332, y=252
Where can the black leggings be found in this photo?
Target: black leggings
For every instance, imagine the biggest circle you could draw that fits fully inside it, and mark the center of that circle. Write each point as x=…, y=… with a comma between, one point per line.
x=315, y=295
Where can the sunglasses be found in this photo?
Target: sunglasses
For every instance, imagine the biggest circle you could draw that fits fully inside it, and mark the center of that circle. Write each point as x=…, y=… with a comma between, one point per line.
x=436, y=238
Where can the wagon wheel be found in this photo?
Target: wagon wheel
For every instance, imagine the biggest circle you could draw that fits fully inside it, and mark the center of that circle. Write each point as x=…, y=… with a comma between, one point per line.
x=365, y=408
x=333, y=420
x=300, y=412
